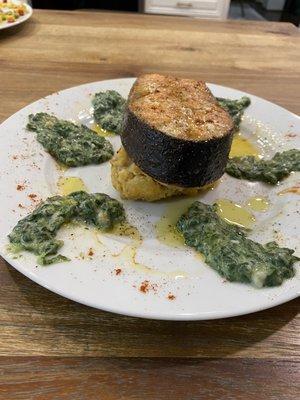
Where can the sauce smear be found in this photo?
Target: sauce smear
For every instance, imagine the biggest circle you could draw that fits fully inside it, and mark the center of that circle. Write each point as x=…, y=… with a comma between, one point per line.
x=241, y=146
x=235, y=214
x=70, y=184
x=125, y=229
x=260, y=204
x=165, y=228
x=100, y=131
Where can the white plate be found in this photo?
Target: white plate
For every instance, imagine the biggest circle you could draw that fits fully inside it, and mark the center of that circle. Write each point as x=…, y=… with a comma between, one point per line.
x=200, y=293
x=4, y=25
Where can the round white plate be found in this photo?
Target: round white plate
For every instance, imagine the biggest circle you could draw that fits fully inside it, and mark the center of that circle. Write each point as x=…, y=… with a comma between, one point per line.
x=199, y=292
x=20, y=20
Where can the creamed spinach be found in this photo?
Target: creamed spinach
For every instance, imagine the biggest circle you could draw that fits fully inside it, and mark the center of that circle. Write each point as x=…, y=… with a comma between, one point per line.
x=37, y=231
x=227, y=249
x=235, y=108
x=71, y=144
x=109, y=110
x=270, y=171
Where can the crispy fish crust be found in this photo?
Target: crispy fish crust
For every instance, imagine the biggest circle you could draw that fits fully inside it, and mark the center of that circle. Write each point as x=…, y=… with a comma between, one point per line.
x=182, y=108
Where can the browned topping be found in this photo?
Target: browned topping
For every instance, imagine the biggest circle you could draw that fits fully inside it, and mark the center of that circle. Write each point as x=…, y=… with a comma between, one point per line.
x=20, y=187
x=20, y=205
x=184, y=108
x=32, y=196
x=171, y=296
x=118, y=271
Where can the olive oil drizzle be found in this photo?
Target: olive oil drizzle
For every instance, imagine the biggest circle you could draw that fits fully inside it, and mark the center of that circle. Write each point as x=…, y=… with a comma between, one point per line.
x=235, y=214
x=70, y=184
x=241, y=146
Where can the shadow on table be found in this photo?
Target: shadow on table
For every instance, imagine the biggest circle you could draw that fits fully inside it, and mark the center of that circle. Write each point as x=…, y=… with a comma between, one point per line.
x=24, y=28
x=61, y=326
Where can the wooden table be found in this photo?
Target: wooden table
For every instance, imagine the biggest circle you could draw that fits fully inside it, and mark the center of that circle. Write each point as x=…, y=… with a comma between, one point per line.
x=52, y=348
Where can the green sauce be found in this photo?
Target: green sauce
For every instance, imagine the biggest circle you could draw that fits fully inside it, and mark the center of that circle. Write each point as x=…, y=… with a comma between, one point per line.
x=70, y=144
x=36, y=232
x=227, y=249
x=109, y=110
x=235, y=108
x=270, y=171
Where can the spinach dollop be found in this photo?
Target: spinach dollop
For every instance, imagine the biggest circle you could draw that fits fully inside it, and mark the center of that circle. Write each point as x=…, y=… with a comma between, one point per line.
x=235, y=108
x=71, y=144
x=227, y=250
x=109, y=110
x=36, y=232
x=269, y=171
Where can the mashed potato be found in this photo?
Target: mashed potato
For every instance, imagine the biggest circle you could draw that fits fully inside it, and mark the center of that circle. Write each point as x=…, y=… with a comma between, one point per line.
x=133, y=184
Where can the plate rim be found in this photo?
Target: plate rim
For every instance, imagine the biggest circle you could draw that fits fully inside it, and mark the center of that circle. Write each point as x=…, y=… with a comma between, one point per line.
x=214, y=315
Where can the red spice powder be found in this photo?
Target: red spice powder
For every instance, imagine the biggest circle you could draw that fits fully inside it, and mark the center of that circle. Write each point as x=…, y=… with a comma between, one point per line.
x=20, y=187
x=144, y=287
x=171, y=296
x=34, y=198
x=21, y=205
x=118, y=271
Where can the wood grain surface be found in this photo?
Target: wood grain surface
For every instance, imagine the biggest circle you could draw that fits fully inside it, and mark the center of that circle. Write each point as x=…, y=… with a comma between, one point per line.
x=52, y=348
